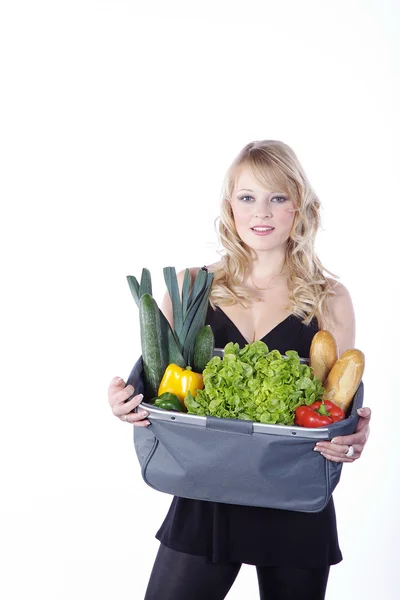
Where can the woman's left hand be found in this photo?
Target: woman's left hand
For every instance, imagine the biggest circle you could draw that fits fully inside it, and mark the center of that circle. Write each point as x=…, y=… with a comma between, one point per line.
x=336, y=449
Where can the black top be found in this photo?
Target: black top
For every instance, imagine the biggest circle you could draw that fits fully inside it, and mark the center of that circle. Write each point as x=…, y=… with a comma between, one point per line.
x=249, y=534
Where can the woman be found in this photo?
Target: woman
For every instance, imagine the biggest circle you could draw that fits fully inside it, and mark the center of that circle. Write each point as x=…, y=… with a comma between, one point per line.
x=269, y=285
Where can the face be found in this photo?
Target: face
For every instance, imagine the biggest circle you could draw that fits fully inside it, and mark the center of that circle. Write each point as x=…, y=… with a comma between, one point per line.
x=263, y=217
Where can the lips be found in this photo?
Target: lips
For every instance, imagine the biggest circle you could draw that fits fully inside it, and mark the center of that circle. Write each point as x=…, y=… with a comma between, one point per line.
x=262, y=230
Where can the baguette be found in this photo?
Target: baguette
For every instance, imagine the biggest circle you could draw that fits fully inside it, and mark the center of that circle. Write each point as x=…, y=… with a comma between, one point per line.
x=344, y=378
x=323, y=354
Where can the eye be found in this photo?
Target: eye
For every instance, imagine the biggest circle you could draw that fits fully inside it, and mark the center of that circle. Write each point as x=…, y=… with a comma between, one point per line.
x=279, y=199
x=245, y=199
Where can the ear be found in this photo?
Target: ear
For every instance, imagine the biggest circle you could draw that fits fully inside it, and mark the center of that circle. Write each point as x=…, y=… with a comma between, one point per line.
x=228, y=202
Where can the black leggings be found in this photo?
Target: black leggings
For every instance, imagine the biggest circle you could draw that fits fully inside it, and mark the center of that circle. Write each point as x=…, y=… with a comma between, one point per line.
x=180, y=576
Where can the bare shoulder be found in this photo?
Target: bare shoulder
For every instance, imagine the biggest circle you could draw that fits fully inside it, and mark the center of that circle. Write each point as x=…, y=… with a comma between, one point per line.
x=341, y=311
x=337, y=285
x=341, y=297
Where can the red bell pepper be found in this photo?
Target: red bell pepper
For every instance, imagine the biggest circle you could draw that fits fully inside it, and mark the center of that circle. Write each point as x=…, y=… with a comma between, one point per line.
x=318, y=414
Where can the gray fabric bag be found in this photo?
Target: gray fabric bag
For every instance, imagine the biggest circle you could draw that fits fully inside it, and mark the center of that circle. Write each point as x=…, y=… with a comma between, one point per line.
x=237, y=462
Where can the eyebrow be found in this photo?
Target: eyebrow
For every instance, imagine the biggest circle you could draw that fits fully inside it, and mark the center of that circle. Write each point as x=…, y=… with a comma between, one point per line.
x=247, y=190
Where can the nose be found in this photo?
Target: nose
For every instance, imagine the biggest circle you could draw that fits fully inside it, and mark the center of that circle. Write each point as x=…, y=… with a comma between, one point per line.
x=263, y=211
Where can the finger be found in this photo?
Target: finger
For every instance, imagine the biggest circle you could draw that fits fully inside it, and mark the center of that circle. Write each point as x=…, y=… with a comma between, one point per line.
x=343, y=459
x=116, y=383
x=360, y=437
x=123, y=408
x=117, y=391
x=132, y=403
x=363, y=427
x=135, y=417
x=336, y=449
x=143, y=423
x=365, y=413
x=124, y=394
x=357, y=439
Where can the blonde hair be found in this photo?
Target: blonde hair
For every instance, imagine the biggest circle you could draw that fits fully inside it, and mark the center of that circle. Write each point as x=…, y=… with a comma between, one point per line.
x=275, y=166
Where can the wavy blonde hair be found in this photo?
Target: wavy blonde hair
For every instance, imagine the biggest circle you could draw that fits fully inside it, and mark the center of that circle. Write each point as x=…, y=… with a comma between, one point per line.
x=275, y=166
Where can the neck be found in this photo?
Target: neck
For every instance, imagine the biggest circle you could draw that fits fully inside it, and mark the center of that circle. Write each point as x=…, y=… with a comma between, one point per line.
x=267, y=265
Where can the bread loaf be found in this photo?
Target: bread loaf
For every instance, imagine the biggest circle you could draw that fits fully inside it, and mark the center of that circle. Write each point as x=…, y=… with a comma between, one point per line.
x=323, y=354
x=344, y=378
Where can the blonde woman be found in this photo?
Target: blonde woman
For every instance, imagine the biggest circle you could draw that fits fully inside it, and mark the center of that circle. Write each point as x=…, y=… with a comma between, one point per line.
x=270, y=286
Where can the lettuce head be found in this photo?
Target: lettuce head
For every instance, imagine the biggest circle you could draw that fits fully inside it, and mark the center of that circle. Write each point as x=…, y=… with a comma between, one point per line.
x=256, y=384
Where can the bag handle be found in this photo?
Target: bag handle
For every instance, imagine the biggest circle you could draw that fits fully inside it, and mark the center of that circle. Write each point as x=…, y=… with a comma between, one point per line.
x=230, y=425
x=135, y=379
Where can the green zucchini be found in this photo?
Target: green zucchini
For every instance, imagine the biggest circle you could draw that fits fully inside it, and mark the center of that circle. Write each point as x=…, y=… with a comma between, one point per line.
x=203, y=349
x=153, y=350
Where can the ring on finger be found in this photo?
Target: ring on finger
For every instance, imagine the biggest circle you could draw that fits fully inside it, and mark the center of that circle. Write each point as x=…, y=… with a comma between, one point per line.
x=350, y=452
x=126, y=418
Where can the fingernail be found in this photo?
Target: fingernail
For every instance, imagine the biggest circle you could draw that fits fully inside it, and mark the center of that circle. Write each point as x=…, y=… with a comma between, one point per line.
x=318, y=444
x=361, y=410
x=144, y=413
x=117, y=379
x=316, y=449
x=140, y=396
x=334, y=441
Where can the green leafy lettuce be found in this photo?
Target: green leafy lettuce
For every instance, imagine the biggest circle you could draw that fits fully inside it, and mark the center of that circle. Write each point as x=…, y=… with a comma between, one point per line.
x=255, y=384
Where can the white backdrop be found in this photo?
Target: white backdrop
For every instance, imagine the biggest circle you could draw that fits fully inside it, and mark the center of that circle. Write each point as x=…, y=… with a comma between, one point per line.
x=119, y=122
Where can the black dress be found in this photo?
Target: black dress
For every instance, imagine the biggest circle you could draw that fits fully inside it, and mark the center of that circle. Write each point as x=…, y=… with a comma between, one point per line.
x=248, y=534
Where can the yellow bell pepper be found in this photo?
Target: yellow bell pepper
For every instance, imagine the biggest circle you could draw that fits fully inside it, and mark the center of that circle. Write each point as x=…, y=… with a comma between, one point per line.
x=180, y=381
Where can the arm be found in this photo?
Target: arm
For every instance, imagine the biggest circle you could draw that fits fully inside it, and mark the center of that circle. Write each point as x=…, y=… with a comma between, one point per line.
x=342, y=314
x=343, y=329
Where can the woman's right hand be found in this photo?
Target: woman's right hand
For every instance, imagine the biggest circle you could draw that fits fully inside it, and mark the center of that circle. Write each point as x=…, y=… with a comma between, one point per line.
x=117, y=394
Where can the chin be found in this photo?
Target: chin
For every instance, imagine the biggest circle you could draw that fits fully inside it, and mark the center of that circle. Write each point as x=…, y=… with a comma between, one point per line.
x=262, y=245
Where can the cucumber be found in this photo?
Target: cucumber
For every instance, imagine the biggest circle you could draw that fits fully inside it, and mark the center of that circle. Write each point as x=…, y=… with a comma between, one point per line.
x=153, y=352
x=203, y=349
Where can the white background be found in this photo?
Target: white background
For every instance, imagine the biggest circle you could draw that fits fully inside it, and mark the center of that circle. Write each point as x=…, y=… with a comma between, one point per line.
x=119, y=120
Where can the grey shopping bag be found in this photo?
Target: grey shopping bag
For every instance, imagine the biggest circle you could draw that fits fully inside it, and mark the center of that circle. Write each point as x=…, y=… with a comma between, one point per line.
x=237, y=462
